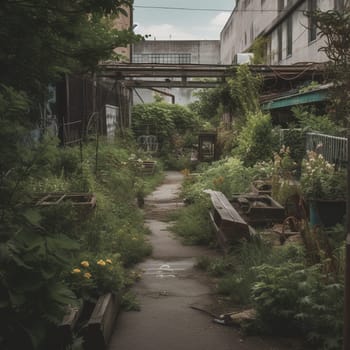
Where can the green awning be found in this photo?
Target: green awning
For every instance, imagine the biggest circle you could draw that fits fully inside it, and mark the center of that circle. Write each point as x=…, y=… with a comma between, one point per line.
x=297, y=99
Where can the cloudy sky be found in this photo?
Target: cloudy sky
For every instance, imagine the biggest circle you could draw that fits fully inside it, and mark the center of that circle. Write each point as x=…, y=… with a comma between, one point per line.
x=179, y=24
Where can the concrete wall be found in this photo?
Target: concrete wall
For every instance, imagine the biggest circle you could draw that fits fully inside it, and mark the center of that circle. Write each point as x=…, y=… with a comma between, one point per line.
x=252, y=18
x=201, y=51
x=193, y=52
x=246, y=22
x=303, y=50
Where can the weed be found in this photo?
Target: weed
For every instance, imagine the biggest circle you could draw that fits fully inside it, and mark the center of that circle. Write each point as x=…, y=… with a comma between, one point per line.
x=193, y=224
x=130, y=302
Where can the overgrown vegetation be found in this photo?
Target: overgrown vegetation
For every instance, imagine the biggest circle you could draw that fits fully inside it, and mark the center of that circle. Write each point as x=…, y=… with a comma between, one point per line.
x=296, y=288
x=43, y=249
x=174, y=126
x=40, y=246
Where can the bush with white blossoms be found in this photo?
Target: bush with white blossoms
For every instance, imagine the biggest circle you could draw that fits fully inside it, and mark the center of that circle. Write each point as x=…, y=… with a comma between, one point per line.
x=320, y=179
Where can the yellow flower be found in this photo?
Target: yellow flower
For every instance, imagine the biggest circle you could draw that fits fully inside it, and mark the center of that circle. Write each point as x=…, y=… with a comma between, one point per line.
x=75, y=271
x=87, y=275
x=101, y=262
x=84, y=263
x=134, y=238
x=108, y=261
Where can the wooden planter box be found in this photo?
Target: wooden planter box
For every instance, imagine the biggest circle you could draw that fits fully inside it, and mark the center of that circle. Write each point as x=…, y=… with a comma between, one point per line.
x=261, y=187
x=78, y=199
x=101, y=324
x=258, y=209
x=67, y=327
x=94, y=322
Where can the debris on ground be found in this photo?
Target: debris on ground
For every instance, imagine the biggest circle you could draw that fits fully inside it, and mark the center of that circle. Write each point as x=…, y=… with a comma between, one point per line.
x=238, y=319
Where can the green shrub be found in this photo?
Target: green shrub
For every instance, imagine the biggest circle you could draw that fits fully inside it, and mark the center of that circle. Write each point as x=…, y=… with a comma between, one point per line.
x=193, y=224
x=245, y=257
x=291, y=298
x=309, y=121
x=255, y=141
x=216, y=266
x=228, y=176
x=93, y=276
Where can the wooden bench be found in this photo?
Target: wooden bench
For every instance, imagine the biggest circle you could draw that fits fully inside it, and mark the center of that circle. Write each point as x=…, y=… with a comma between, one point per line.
x=228, y=224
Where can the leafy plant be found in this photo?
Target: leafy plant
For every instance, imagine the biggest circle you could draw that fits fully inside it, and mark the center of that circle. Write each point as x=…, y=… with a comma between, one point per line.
x=33, y=297
x=76, y=37
x=244, y=91
x=93, y=277
x=255, y=141
x=319, y=179
x=193, y=224
x=293, y=299
x=308, y=121
x=228, y=176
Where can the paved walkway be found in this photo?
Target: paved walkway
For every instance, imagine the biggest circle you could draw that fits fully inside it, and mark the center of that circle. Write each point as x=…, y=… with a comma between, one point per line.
x=169, y=286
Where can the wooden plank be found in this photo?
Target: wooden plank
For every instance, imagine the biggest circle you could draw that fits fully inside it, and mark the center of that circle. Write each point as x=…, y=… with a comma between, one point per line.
x=227, y=222
x=224, y=207
x=66, y=328
x=101, y=323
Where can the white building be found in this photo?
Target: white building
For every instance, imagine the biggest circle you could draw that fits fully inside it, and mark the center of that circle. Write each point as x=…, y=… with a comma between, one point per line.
x=291, y=36
x=174, y=52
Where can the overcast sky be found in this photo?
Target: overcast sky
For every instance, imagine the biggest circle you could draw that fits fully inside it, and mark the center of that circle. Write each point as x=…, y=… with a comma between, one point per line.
x=176, y=24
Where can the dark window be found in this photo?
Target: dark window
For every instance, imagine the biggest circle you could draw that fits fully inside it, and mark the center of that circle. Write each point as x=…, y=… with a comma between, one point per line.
x=167, y=58
x=312, y=5
x=279, y=42
x=339, y=5
x=289, y=35
x=280, y=5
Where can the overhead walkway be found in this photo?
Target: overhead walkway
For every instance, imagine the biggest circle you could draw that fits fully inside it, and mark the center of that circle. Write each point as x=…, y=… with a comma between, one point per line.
x=142, y=75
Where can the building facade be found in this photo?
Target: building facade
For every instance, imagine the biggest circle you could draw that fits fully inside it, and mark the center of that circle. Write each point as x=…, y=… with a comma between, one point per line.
x=123, y=22
x=289, y=35
x=173, y=52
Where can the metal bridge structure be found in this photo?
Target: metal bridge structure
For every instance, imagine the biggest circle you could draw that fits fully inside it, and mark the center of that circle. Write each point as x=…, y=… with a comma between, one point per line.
x=144, y=75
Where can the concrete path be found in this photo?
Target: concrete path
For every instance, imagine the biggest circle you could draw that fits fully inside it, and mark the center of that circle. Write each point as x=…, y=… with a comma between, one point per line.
x=170, y=285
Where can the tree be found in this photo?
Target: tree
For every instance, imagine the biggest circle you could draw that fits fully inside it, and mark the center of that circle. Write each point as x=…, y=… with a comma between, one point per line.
x=163, y=120
x=42, y=39
x=211, y=102
x=334, y=27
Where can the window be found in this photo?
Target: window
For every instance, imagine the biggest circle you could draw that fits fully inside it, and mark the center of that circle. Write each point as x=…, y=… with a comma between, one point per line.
x=289, y=35
x=339, y=5
x=312, y=5
x=279, y=42
x=167, y=58
x=280, y=5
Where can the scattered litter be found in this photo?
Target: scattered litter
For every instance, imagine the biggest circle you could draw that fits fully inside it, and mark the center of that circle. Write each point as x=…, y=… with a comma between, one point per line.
x=230, y=319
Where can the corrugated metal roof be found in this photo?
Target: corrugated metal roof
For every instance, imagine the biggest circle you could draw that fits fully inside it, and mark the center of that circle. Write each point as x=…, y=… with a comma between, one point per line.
x=321, y=94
